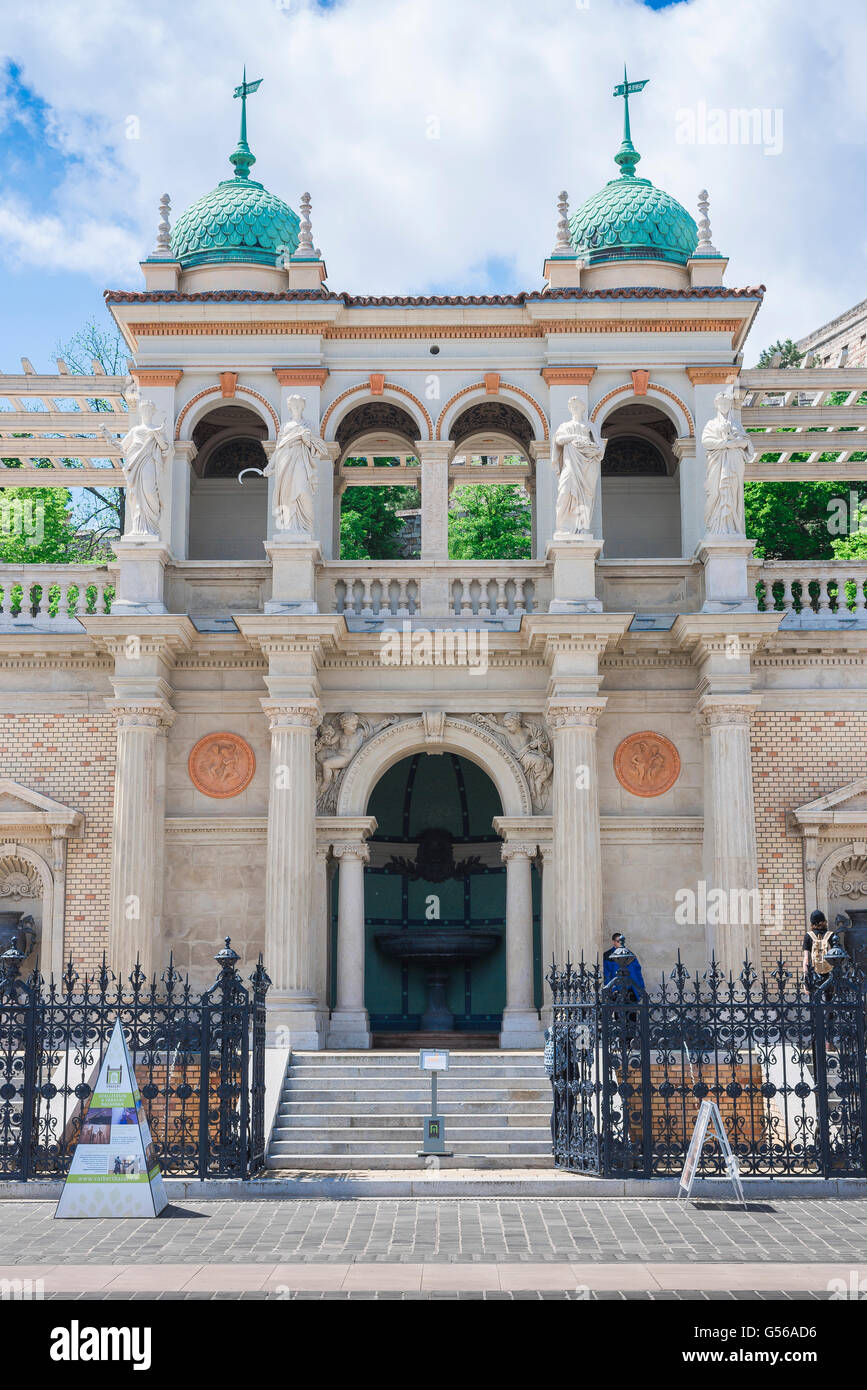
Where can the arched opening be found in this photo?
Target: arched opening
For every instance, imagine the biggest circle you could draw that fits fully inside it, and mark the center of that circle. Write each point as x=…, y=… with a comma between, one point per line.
x=379, y=511
x=492, y=504
x=228, y=518
x=640, y=485
x=435, y=904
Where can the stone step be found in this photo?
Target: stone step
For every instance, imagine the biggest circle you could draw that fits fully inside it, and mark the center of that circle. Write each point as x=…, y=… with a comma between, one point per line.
x=384, y=1111
x=476, y=1136
x=388, y=1059
x=532, y=1068
x=288, y=1125
x=303, y=1148
x=359, y=1161
x=422, y=1098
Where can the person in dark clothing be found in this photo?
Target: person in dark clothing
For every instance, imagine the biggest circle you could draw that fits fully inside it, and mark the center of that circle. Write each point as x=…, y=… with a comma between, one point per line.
x=816, y=941
x=610, y=968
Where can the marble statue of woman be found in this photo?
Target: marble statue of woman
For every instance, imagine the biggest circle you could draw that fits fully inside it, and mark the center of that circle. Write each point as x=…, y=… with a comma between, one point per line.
x=293, y=466
x=576, y=455
x=145, y=449
x=729, y=449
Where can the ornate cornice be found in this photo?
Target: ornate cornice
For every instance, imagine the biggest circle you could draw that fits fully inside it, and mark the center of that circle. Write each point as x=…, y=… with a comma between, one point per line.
x=156, y=376
x=568, y=376
x=301, y=376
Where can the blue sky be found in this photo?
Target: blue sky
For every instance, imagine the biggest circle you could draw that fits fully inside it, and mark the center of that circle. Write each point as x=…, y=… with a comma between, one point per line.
x=104, y=107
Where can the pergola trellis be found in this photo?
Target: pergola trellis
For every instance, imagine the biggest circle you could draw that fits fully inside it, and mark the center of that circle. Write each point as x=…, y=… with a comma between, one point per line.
x=48, y=425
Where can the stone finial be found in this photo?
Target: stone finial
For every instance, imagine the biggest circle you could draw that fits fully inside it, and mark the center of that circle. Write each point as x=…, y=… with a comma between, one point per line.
x=305, y=249
x=164, y=231
x=705, y=245
x=563, y=245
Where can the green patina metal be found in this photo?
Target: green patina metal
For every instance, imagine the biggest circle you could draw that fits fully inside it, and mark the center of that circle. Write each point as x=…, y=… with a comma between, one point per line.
x=239, y=220
x=629, y=219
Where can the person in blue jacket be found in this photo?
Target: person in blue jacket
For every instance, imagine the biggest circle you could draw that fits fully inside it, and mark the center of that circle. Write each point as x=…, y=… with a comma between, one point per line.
x=610, y=969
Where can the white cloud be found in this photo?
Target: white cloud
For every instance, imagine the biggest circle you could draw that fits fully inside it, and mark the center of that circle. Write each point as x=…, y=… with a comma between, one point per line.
x=523, y=98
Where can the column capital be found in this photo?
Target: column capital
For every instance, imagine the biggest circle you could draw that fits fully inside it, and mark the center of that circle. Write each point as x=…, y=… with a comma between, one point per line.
x=141, y=714
x=517, y=849
x=352, y=850
x=715, y=711
x=434, y=450
x=564, y=714
x=295, y=714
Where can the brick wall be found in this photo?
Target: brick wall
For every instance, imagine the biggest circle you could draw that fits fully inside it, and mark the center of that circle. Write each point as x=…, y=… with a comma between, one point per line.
x=796, y=758
x=71, y=757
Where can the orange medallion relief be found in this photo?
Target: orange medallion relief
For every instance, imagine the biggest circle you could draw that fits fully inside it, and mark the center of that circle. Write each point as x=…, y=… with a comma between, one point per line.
x=646, y=764
x=221, y=765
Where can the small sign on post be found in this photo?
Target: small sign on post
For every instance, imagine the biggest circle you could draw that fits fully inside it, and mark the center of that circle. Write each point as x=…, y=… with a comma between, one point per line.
x=709, y=1123
x=433, y=1060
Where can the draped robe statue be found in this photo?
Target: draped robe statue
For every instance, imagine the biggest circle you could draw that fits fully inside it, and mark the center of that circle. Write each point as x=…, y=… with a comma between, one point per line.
x=729, y=449
x=145, y=449
x=576, y=454
x=293, y=466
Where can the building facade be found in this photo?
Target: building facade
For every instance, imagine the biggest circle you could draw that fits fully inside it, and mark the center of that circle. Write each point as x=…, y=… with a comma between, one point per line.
x=233, y=731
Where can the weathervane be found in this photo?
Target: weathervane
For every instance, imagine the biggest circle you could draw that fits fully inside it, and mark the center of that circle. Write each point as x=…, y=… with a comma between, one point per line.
x=243, y=158
x=627, y=156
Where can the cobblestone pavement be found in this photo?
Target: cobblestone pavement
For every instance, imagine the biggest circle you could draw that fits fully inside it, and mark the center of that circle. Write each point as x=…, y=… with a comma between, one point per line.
x=464, y=1230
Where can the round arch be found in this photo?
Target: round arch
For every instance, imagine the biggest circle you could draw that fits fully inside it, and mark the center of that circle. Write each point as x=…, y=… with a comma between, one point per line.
x=665, y=401
x=459, y=736
x=361, y=394
x=202, y=404
x=515, y=396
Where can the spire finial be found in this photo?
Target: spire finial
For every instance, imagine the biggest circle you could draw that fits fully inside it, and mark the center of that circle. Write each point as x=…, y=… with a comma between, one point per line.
x=563, y=244
x=164, y=231
x=305, y=249
x=627, y=156
x=705, y=244
x=243, y=158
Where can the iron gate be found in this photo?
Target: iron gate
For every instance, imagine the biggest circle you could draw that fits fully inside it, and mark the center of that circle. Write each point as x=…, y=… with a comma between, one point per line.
x=199, y=1060
x=786, y=1067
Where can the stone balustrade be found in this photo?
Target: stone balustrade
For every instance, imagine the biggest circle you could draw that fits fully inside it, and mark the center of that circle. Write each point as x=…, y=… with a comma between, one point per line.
x=486, y=589
x=53, y=596
x=825, y=588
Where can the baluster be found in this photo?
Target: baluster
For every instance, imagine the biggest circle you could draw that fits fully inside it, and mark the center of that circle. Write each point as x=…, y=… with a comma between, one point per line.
x=63, y=600
x=788, y=595
x=485, y=598
x=402, y=599
x=466, y=597
x=520, y=606
x=824, y=598
x=42, y=605
x=860, y=596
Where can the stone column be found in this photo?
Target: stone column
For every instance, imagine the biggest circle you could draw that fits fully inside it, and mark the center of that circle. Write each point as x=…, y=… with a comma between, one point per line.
x=521, y=1026
x=319, y=922
x=546, y=862
x=350, y=1025
x=733, y=851
x=135, y=917
x=577, y=841
x=433, y=457
x=294, y=1007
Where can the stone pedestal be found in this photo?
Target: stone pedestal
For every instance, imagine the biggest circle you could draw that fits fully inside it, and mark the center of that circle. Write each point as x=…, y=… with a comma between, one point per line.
x=521, y=1026
x=135, y=912
x=350, y=1025
x=732, y=858
x=574, y=579
x=296, y=1013
x=726, y=579
x=293, y=574
x=577, y=847
x=140, y=581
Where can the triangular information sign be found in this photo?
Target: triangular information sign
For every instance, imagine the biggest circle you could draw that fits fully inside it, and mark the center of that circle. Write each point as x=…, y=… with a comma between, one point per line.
x=114, y=1170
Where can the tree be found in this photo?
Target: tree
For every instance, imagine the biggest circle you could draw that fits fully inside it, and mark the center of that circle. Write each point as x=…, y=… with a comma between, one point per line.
x=101, y=512
x=369, y=524
x=790, y=354
x=35, y=526
x=800, y=520
x=489, y=521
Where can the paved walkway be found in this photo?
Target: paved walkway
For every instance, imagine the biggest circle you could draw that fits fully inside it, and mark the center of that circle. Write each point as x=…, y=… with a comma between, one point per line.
x=418, y=1248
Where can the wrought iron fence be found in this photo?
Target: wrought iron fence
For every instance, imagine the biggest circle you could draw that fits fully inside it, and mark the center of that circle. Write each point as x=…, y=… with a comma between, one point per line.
x=199, y=1060
x=784, y=1062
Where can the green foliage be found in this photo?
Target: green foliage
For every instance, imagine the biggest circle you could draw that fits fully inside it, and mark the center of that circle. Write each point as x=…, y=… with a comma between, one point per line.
x=852, y=547
x=35, y=526
x=797, y=520
x=369, y=524
x=790, y=356
x=489, y=521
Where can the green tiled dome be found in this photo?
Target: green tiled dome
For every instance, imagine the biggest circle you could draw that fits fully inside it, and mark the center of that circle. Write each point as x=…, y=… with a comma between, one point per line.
x=239, y=220
x=630, y=220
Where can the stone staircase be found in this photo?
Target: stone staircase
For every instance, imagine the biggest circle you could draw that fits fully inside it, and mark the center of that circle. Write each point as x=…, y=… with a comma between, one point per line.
x=357, y=1110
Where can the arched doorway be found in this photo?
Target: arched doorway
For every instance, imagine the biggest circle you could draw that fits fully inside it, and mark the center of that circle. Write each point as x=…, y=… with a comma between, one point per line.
x=435, y=867
x=228, y=520
x=640, y=485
